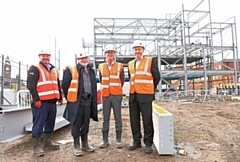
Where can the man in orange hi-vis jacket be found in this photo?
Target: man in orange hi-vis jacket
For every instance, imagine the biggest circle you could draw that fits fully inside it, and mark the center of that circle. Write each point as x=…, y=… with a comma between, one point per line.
x=144, y=77
x=44, y=86
x=80, y=89
x=111, y=76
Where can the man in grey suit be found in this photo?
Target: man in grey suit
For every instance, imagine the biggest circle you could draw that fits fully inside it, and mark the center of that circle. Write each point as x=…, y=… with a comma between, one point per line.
x=111, y=76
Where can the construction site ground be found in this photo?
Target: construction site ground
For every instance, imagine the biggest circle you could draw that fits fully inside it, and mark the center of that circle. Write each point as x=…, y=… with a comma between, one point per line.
x=207, y=131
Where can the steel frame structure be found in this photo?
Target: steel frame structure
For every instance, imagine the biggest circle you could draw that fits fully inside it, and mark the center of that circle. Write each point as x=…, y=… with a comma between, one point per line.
x=178, y=42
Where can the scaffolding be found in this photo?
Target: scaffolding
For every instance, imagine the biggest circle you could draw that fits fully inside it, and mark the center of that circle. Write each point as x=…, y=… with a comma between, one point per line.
x=186, y=45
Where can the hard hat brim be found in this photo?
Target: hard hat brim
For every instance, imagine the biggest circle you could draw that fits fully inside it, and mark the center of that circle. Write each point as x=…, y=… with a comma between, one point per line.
x=138, y=46
x=110, y=50
x=82, y=56
x=44, y=54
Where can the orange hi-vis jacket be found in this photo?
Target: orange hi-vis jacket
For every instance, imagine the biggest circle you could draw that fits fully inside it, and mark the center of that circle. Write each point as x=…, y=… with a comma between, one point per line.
x=47, y=85
x=111, y=82
x=141, y=79
x=73, y=88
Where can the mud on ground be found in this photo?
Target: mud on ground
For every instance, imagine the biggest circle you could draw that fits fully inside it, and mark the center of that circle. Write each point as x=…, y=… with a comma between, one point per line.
x=208, y=131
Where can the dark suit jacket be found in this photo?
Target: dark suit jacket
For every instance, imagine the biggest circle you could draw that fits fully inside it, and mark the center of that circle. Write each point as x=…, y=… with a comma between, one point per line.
x=143, y=98
x=72, y=107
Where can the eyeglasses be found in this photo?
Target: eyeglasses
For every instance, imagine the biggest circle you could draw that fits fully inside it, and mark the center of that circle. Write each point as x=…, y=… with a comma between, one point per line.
x=45, y=55
x=138, y=49
x=108, y=53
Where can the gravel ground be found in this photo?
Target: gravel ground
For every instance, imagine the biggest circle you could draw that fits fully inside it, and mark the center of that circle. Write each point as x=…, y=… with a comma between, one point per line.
x=209, y=132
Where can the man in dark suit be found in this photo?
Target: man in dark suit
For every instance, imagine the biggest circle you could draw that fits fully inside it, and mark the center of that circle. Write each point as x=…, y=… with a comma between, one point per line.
x=80, y=89
x=144, y=77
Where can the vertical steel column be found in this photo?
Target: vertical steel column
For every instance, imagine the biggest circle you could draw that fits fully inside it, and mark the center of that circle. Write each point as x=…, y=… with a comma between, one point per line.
x=159, y=62
x=184, y=52
x=159, y=66
x=19, y=76
x=211, y=42
x=236, y=49
x=234, y=62
x=2, y=81
x=76, y=59
x=221, y=37
x=114, y=43
x=94, y=49
x=204, y=68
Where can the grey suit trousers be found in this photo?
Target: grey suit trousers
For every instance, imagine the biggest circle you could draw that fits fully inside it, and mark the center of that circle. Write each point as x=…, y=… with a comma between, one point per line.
x=114, y=102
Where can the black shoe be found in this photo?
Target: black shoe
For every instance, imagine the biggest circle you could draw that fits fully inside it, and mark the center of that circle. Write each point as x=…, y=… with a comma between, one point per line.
x=134, y=146
x=148, y=149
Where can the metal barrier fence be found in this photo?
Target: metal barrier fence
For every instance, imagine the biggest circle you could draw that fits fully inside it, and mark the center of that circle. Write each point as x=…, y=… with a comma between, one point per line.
x=195, y=96
x=23, y=98
x=13, y=76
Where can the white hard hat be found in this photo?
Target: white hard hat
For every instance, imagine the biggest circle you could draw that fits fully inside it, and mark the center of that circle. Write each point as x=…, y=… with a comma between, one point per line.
x=138, y=43
x=82, y=54
x=44, y=52
x=109, y=48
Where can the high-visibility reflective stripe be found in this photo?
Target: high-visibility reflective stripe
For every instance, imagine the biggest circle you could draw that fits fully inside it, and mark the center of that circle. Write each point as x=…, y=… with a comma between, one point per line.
x=114, y=84
x=105, y=78
x=72, y=89
x=141, y=77
x=47, y=82
x=118, y=70
x=114, y=76
x=73, y=71
x=43, y=74
x=47, y=93
x=143, y=81
x=104, y=86
x=130, y=64
x=143, y=73
x=146, y=65
x=111, y=79
x=74, y=81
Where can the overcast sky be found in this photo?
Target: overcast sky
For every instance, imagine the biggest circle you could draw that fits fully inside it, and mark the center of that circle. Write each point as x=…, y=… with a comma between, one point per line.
x=27, y=26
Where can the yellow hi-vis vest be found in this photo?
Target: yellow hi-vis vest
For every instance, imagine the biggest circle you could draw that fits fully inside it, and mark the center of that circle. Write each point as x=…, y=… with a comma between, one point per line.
x=111, y=82
x=47, y=84
x=73, y=88
x=141, y=79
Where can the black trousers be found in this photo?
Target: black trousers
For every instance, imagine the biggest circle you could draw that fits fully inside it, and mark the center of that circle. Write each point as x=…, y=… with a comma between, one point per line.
x=145, y=109
x=81, y=124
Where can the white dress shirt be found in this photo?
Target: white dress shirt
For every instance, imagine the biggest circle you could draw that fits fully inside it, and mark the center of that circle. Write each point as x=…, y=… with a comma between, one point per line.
x=110, y=65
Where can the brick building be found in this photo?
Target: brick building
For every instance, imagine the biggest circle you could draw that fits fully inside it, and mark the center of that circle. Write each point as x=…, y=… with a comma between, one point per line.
x=225, y=81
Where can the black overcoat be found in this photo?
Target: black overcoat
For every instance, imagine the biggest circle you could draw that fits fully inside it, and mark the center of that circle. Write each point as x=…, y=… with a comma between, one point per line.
x=72, y=107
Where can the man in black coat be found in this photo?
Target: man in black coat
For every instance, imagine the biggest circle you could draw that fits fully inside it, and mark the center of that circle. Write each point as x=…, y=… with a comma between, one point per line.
x=144, y=77
x=80, y=89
